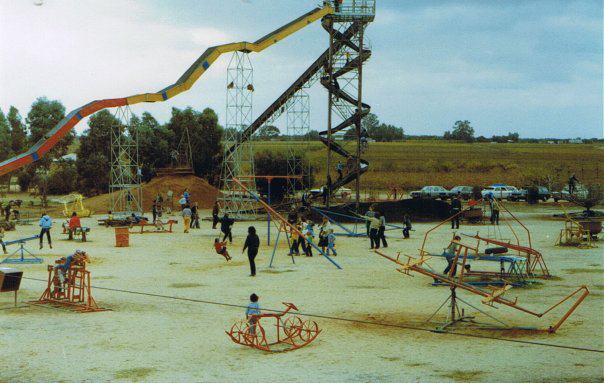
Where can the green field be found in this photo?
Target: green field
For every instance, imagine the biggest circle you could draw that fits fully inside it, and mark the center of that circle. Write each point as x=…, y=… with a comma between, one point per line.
x=412, y=164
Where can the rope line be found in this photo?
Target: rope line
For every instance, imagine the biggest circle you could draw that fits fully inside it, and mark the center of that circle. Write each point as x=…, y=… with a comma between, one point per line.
x=334, y=318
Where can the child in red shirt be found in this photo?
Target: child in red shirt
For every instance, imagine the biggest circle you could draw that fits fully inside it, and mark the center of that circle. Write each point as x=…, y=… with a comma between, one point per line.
x=221, y=249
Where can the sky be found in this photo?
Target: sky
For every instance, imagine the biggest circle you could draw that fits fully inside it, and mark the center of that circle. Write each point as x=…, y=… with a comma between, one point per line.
x=532, y=67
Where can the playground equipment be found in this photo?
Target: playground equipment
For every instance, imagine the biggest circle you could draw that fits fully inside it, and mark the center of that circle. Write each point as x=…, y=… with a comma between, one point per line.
x=22, y=251
x=184, y=83
x=578, y=233
x=72, y=290
x=291, y=332
x=356, y=218
x=74, y=203
x=10, y=280
x=80, y=232
x=534, y=266
x=159, y=226
x=283, y=223
x=490, y=294
x=342, y=61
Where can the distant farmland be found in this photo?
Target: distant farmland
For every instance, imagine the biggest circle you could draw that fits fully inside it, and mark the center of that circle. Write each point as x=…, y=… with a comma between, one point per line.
x=411, y=164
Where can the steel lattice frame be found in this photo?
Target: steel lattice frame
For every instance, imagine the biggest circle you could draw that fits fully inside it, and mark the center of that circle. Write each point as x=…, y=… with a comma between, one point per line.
x=240, y=79
x=298, y=125
x=125, y=172
x=361, y=12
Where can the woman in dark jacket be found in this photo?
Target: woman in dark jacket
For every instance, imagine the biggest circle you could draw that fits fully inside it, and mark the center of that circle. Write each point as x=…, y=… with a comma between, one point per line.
x=252, y=243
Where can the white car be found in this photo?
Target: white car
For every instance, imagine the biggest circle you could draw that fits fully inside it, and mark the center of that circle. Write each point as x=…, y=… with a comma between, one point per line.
x=431, y=192
x=500, y=191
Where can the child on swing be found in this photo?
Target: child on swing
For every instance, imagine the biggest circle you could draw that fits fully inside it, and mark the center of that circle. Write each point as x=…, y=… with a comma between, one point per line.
x=221, y=249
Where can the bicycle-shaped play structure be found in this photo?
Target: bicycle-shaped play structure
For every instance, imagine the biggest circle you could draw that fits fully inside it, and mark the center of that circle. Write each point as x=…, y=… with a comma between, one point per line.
x=290, y=332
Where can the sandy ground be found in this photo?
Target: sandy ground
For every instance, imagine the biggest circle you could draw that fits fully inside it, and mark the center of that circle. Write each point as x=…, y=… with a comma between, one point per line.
x=157, y=339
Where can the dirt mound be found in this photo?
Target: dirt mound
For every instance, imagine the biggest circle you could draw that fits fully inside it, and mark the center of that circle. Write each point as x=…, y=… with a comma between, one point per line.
x=199, y=189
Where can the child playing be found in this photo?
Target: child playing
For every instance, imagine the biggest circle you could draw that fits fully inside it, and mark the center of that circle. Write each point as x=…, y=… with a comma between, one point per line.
x=221, y=249
x=309, y=233
x=295, y=243
x=331, y=242
x=252, y=310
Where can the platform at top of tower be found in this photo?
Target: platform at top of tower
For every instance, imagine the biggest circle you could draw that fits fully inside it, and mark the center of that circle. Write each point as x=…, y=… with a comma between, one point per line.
x=352, y=10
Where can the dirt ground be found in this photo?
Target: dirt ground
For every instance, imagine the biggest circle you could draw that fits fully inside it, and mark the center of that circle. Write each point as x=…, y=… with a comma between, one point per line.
x=158, y=339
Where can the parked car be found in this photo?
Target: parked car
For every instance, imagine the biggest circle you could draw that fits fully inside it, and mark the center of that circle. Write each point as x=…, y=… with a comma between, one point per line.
x=579, y=192
x=522, y=194
x=464, y=191
x=499, y=191
x=431, y=192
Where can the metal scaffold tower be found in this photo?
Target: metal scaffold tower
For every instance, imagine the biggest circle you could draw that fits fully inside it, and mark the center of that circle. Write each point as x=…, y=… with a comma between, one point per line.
x=344, y=80
x=125, y=173
x=298, y=126
x=240, y=162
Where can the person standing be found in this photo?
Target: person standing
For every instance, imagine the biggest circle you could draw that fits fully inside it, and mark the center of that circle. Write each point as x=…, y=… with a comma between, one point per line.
x=369, y=214
x=252, y=312
x=45, y=225
x=182, y=202
x=382, y=231
x=572, y=183
x=339, y=168
x=374, y=229
x=226, y=225
x=494, y=211
x=154, y=211
x=186, y=216
x=331, y=243
x=323, y=232
x=455, y=211
x=169, y=196
x=186, y=195
x=252, y=243
x=407, y=228
x=195, y=216
x=215, y=212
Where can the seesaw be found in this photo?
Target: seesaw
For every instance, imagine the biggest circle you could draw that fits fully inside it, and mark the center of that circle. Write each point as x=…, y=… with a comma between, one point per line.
x=21, y=251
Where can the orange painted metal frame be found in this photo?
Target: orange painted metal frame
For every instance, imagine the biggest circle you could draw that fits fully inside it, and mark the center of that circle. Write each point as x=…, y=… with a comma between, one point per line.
x=495, y=296
x=292, y=332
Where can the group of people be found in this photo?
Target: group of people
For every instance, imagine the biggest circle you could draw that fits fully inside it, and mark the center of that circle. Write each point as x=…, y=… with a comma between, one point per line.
x=376, y=228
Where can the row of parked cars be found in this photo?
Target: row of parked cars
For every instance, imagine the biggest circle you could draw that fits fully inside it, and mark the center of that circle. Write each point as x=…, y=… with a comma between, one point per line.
x=499, y=191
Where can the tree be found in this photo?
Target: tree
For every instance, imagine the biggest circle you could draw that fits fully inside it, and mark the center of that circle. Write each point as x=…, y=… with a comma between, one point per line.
x=205, y=134
x=5, y=139
x=154, y=144
x=268, y=131
x=93, y=154
x=462, y=131
x=63, y=178
x=41, y=119
x=17, y=131
x=370, y=121
x=312, y=135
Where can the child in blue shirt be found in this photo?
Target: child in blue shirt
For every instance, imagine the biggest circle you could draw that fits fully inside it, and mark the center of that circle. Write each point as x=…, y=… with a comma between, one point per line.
x=331, y=242
x=252, y=310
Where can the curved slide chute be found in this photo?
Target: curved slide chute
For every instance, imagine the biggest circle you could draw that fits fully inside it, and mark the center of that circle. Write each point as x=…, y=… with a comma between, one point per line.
x=184, y=83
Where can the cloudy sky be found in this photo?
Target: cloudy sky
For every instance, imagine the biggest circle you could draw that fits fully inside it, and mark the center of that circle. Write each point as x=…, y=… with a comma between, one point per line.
x=534, y=67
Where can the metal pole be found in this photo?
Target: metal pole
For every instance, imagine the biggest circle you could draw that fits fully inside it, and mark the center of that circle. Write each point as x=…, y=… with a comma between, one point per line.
x=268, y=214
x=329, y=106
x=359, y=112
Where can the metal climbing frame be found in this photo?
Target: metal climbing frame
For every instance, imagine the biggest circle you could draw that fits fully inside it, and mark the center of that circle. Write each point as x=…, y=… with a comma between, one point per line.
x=344, y=82
x=125, y=172
x=298, y=125
x=239, y=96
